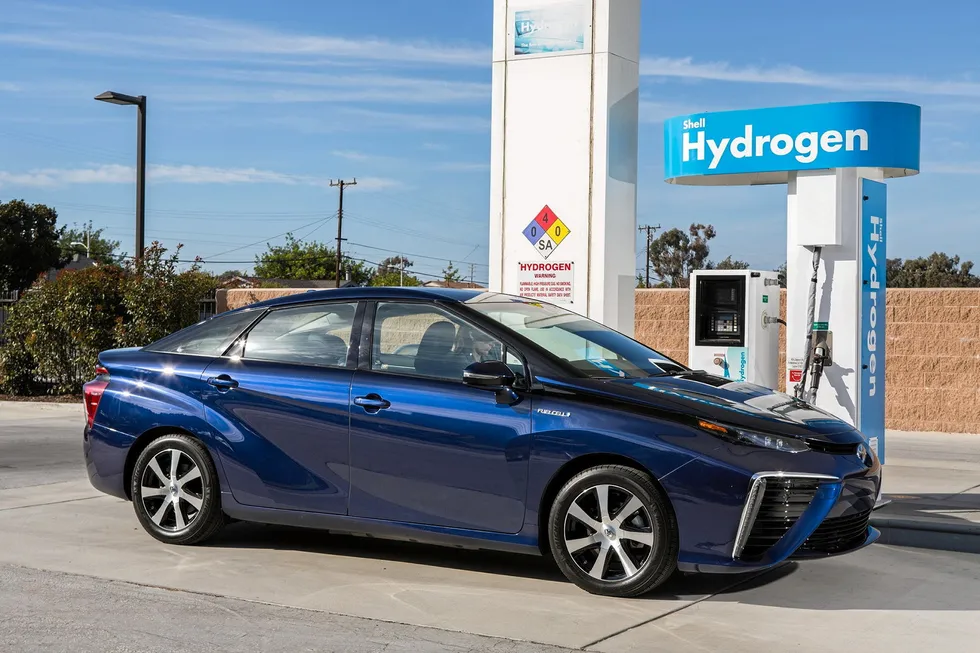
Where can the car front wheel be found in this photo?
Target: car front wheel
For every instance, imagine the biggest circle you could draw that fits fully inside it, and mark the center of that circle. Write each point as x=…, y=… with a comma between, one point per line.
x=175, y=491
x=612, y=532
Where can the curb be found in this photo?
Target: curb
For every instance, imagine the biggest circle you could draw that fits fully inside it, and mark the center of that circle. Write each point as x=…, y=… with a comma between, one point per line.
x=937, y=534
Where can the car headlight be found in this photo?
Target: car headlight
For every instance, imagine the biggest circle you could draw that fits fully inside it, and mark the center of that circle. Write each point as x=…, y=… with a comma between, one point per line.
x=751, y=438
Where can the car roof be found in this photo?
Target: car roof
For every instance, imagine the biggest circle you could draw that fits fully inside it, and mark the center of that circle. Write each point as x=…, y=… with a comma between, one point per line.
x=457, y=295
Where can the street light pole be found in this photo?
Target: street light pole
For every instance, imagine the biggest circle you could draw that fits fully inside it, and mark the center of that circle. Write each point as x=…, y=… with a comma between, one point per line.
x=140, y=176
x=139, y=101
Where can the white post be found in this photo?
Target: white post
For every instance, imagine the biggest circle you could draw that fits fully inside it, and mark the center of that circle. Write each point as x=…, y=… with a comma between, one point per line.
x=563, y=154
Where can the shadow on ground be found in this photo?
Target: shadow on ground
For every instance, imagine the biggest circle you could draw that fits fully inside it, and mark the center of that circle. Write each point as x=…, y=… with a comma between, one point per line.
x=260, y=536
x=877, y=578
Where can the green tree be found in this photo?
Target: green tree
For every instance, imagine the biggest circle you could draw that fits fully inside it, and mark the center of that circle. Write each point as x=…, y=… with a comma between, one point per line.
x=28, y=243
x=157, y=298
x=451, y=273
x=937, y=270
x=781, y=275
x=312, y=260
x=675, y=253
x=100, y=249
x=728, y=264
x=392, y=271
x=231, y=274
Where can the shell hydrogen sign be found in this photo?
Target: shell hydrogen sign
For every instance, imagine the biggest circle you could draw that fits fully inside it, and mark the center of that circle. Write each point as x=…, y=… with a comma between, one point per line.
x=727, y=147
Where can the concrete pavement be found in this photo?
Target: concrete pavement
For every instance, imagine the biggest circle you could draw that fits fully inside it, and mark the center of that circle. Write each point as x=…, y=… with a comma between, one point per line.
x=60, y=538
x=933, y=483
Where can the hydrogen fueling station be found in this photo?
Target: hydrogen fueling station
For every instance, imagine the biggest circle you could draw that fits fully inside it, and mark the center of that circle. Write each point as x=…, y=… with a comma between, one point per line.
x=563, y=204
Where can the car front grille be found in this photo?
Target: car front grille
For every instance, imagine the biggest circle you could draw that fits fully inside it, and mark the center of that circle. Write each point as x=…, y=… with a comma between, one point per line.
x=837, y=534
x=782, y=503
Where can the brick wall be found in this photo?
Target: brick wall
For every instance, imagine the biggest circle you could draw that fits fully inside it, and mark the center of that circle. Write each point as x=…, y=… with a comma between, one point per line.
x=932, y=354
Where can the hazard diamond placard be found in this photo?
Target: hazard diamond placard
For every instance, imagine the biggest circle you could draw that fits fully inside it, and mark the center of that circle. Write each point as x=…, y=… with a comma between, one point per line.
x=546, y=232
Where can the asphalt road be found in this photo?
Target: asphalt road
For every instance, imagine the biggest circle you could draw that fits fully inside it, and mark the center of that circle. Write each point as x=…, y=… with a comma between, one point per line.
x=78, y=574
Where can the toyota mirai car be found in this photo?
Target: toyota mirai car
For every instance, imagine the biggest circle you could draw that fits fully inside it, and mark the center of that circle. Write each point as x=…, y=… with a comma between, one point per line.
x=472, y=419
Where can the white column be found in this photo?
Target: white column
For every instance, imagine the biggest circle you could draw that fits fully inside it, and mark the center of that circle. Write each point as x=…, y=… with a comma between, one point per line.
x=564, y=136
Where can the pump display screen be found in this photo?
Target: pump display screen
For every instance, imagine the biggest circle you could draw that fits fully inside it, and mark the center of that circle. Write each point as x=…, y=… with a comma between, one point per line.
x=720, y=311
x=726, y=323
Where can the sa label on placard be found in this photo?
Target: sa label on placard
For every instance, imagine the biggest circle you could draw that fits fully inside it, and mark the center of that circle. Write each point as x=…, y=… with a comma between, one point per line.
x=546, y=232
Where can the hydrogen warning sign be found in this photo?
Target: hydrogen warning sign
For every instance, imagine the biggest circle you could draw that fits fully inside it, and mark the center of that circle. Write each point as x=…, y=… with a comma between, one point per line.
x=551, y=282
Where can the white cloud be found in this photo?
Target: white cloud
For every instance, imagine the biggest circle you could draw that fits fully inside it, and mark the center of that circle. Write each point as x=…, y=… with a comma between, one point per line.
x=9, y=87
x=419, y=122
x=379, y=183
x=158, y=35
x=182, y=174
x=461, y=166
x=351, y=155
x=189, y=174
x=653, y=112
x=964, y=168
x=723, y=71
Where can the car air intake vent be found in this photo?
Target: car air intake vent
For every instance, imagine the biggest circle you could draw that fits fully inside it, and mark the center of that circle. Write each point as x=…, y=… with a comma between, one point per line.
x=836, y=448
x=785, y=499
x=838, y=534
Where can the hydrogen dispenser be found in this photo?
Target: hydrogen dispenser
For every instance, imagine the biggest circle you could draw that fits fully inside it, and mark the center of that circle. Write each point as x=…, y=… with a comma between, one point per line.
x=734, y=325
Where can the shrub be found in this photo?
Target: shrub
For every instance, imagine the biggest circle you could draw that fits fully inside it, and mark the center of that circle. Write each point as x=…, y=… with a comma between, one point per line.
x=158, y=299
x=56, y=331
x=54, y=334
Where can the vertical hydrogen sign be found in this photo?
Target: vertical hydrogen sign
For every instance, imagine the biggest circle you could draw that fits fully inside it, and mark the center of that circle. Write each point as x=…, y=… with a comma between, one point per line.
x=872, y=334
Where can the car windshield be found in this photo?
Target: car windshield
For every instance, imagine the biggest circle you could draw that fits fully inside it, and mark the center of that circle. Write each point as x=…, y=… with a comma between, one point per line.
x=591, y=348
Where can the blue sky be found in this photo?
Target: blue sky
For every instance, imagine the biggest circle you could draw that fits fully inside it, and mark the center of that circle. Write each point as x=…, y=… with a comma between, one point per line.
x=255, y=106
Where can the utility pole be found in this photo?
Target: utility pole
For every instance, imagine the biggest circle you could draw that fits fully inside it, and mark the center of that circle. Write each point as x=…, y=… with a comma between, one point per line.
x=649, y=229
x=472, y=274
x=401, y=269
x=340, y=220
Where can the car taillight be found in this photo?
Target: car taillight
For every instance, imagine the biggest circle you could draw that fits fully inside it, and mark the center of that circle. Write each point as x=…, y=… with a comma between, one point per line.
x=92, y=392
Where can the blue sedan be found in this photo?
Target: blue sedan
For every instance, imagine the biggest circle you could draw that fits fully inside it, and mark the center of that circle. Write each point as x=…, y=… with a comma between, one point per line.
x=478, y=420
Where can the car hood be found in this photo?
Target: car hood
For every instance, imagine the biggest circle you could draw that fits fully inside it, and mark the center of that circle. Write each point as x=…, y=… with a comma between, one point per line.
x=734, y=403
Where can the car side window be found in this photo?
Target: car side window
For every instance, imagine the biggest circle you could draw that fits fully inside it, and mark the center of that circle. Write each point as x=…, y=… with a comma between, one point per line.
x=426, y=340
x=209, y=338
x=318, y=334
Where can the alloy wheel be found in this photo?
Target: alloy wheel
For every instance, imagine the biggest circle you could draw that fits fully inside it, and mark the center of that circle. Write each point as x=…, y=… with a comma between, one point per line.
x=172, y=490
x=608, y=533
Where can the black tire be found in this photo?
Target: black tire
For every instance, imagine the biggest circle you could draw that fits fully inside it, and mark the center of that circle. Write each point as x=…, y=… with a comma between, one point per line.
x=654, y=560
x=199, y=523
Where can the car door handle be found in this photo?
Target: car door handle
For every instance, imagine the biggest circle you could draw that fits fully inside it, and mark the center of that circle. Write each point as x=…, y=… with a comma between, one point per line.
x=372, y=403
x=223, y=382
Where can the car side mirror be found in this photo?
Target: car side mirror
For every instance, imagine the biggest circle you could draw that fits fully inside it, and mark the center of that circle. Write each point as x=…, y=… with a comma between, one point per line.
x=493, y=375
x=490, y=375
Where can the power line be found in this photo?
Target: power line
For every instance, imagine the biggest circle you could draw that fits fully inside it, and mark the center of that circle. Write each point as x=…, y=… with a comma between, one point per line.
x=259, y=242
x=422, y=256
x=196, y=214
x=341, y=184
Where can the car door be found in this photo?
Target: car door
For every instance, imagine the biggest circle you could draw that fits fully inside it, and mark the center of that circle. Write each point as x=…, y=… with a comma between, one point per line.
x=281, y=399
x=425, y=448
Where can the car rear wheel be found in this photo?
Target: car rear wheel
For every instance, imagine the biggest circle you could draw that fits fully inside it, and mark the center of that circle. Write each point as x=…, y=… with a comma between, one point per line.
x=612, y=532
x=175, y=491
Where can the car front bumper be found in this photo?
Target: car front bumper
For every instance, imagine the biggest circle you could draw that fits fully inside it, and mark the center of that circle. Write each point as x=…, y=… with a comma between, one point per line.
x=788, y=507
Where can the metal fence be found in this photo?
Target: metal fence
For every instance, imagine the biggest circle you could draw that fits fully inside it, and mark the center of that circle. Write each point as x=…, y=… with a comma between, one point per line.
x=7, y=299
x=208, y=306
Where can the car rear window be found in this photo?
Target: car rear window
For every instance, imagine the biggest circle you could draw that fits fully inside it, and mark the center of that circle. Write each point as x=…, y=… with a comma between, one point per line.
x=208, y=338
